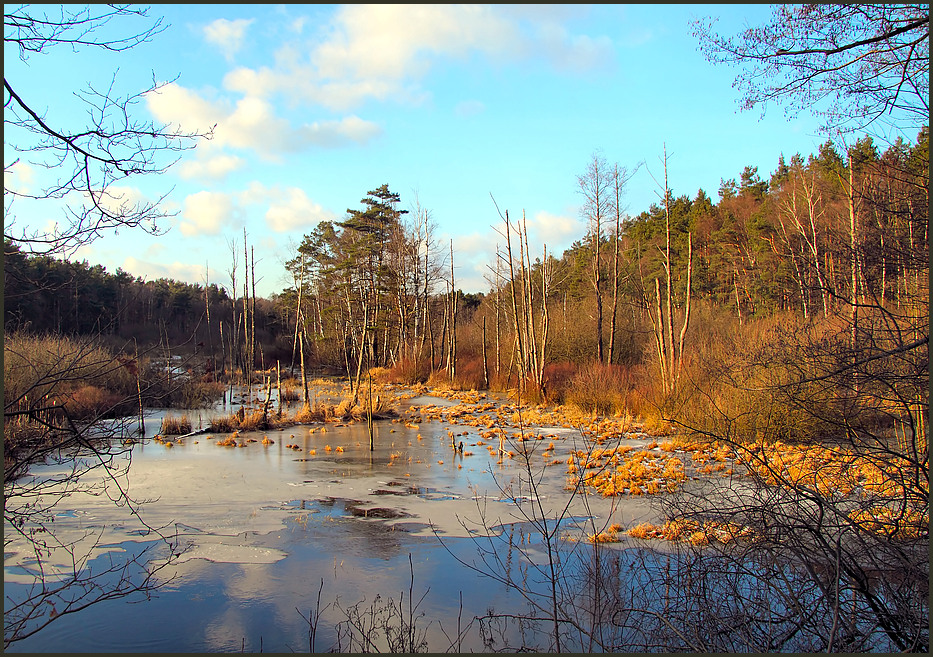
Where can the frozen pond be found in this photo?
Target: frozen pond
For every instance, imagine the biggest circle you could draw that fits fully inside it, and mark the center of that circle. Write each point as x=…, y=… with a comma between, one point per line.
x=263, y=528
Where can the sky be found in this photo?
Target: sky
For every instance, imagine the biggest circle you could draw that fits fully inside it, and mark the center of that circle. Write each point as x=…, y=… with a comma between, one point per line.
x=452, y=106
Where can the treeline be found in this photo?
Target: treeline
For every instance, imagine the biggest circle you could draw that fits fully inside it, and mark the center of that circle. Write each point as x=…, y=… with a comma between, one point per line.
x=793, y=241
x=45, y=295
x=375, y=290
x=823, y=234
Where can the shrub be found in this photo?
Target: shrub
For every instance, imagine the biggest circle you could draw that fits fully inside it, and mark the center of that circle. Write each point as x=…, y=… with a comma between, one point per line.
x=532, y=392
x=600, y=388
x=438, y=379
x=557, y=380
x=90, y=401
x=41, y=365
x=379, y=374
x=469, y=375
x=408, y=371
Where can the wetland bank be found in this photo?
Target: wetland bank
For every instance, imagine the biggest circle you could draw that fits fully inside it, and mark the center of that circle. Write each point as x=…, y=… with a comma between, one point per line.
x=462, y=526
x=259, y=530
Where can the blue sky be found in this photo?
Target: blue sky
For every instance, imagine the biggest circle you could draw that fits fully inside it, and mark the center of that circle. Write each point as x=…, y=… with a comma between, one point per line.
x=318, y=104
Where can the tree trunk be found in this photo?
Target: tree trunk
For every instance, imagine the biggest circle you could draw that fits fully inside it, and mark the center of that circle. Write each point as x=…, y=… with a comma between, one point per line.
x=615, y=283
x=683, y=329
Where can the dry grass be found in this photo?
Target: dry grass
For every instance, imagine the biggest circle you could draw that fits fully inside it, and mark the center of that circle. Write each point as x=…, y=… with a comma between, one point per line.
x=620, y=471
x=695, y=533
x=826, y=470
x=172, y=425
x=384, y=405
x=44, y=371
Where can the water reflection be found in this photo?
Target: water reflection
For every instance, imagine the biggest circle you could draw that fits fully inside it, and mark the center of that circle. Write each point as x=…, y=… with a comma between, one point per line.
x=266, y=526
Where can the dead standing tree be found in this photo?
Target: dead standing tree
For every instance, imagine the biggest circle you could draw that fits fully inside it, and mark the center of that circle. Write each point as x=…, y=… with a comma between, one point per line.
x=530, y=334
x=451, y=312
x=594, y=184
x=670, y=352
x=618, y=179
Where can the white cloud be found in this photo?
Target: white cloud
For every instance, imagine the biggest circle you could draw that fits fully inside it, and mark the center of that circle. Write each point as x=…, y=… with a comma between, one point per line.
x=382, y=52
x=153, y=270
x=254, y=193
x=177, y=105
x=294, y=210
x=397, y=41
x=19, y=177
x=205, y=213
x=556, y=231
x=351, y=129
x=227, y=35
x=252, y=124
x=289, y=208
x=212, y=168
x=367, y=52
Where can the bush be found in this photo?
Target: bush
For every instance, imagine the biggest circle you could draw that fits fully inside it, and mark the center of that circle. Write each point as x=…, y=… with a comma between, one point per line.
x=90, y=402
x=85, y=378
x=557, y=380
x=379, y=374
x=408, y=371
x=469, y=375
x=600, y=388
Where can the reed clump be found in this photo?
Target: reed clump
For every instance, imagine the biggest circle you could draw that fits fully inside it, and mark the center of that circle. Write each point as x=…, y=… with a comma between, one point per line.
x=172, y=425
x=318, y=411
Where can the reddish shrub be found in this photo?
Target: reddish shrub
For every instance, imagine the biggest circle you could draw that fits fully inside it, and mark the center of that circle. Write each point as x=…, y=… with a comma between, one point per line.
x=90, y=401
x=557, y=377
x=409, y=370
x=469, y=375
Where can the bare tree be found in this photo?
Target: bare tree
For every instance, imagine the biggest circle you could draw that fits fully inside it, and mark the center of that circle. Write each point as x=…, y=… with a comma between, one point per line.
x=530, y=333
x=853, y=64
x=83, y=163
x=594, y=184
x=80, y=168
x=670, y=350
x=619, y=177
x=803, y=206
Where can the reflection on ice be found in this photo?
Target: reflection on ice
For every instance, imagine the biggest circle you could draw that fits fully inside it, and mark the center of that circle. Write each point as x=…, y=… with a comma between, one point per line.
x=260, y=528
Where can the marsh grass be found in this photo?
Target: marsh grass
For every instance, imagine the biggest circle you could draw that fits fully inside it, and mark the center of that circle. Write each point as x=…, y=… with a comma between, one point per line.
x=384, y=405
x=172, y=425
x=50, y=382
